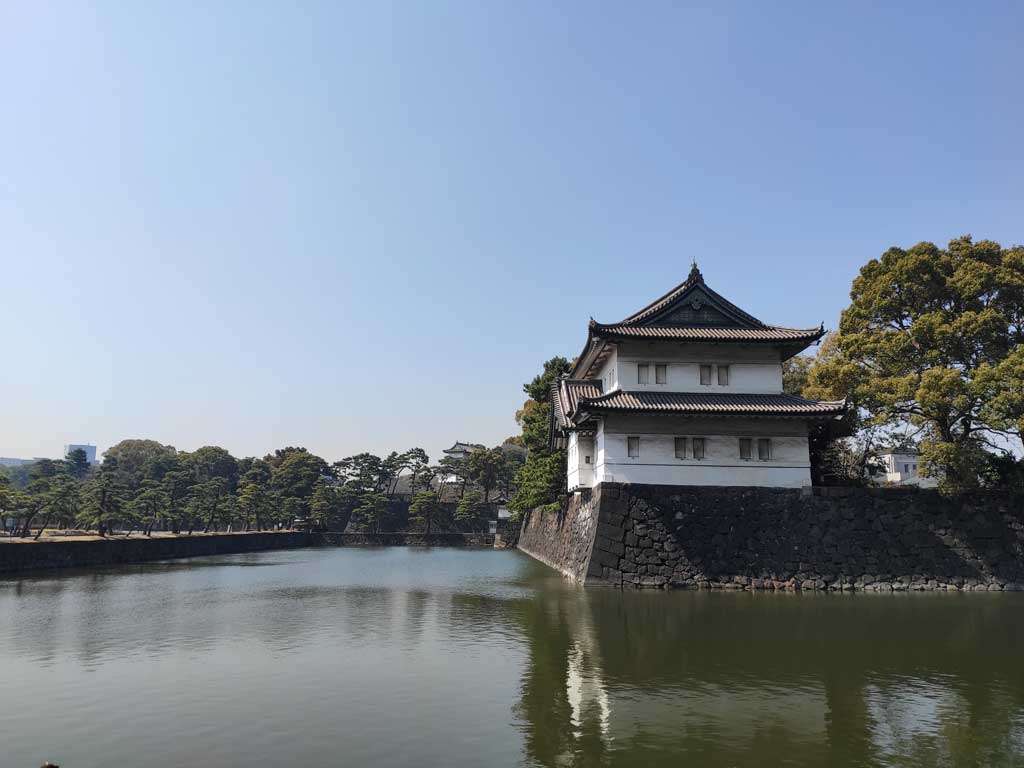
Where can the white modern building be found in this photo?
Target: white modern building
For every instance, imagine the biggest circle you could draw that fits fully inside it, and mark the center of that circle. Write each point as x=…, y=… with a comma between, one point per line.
x=687, y=391
x=90, y=451
x=903, y=468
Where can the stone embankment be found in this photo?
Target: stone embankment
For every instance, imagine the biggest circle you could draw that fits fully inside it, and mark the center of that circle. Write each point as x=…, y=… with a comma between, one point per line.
x=762, y=538
x=17, y=556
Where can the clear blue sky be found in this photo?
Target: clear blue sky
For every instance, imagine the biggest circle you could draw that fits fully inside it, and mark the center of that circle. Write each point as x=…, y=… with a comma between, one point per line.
x=361, y=226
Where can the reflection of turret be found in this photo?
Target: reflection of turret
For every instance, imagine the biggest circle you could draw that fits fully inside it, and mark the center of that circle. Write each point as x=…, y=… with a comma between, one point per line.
x=729, y=679
x=584, y=683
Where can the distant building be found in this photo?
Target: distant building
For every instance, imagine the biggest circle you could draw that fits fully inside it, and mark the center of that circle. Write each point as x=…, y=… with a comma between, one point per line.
x=90, y=451
x=6, y=461
x=461, y=450
x=902, y=467
x=458, y=452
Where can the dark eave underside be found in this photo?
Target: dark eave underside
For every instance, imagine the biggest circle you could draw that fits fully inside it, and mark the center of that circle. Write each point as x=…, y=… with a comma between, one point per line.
x=683, y=333
x=700, y=403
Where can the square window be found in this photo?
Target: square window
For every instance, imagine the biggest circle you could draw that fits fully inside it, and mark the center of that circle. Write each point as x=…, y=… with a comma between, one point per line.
x=764, y=449
x=745, y=449
x=643, y=373
x=698, y=447
x=723, y=375
x=633, y=447
x=661, y=374
x=705, y=375
x=680, y=447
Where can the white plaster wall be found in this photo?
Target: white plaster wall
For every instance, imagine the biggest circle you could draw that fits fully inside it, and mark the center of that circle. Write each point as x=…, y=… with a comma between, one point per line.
x=752, y=369
x=579, y=473
x=608, y=373
x=789, y=466
x=572, y=476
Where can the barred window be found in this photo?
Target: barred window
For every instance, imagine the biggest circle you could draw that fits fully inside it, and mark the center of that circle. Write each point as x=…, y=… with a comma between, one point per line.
x=698, y=447
x=745, y=448
x=633, y=447
x=680, y=447
x=643, y=373
x=705, y=375
x=723, y=375
x=764, y=449
x=661, y=374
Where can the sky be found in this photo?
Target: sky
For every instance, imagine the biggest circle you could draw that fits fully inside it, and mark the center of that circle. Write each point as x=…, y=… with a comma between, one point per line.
x=362, y=226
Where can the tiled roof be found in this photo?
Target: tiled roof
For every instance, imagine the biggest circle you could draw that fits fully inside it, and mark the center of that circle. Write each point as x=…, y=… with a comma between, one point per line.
x=783, y=406
x=566, y=394
x=690, y=312
x=684, y=333
x=694, y=279
x=461, y=446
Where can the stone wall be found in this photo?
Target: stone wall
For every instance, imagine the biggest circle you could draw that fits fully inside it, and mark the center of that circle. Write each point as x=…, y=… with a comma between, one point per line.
x=562, y=539
x=36, y=555
x=764, y=538
x=40, y=555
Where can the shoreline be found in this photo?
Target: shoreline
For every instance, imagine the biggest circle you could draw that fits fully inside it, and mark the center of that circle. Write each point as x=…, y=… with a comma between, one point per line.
x=84, y=552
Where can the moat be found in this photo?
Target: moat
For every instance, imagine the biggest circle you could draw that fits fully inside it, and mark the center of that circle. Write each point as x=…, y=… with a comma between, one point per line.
x=454, y=657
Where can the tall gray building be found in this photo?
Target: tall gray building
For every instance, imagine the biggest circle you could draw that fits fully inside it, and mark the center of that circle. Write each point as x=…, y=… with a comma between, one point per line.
x=90, y=451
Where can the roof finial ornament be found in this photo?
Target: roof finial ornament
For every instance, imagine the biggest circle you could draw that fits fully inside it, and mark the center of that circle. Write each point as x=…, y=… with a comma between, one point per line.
x=694, y=272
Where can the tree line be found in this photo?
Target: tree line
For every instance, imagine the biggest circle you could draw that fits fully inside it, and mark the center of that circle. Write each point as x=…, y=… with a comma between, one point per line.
x=143, y=485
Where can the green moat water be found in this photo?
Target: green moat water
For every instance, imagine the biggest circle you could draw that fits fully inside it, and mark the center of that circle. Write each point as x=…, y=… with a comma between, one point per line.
x=446, y=657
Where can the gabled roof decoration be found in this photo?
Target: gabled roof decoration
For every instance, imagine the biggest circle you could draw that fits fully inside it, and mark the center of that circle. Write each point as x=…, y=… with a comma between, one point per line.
x=692, y=312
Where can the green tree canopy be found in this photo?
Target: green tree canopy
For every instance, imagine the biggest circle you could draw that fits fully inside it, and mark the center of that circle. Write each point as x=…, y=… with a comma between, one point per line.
x=541, y=480
x=427, y=513
x=932, y=338
x=133, y=456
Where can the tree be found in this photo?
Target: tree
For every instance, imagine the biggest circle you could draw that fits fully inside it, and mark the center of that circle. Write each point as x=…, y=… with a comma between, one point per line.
x=210, y=502
x=932, y=338
x=794, y=374
x=131, y=458
x=295, y=478
x=450, y=467
x=150, y=506
x=540, y=386
x=104, y=495
x=213, y=462
x=427, y=512
x=541, y=480
x=470, y=510
x=484, y=467
x=540, y=483
x=372, y=510
x=328, y=506
x=77, y=464
x=363, y=471
x=176, y=483
x=255, y=496
x=418, y=464
x=10, y=501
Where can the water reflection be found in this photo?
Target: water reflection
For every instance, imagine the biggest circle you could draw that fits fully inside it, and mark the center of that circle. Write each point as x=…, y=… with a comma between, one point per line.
x=740, y=679
x=447, y=657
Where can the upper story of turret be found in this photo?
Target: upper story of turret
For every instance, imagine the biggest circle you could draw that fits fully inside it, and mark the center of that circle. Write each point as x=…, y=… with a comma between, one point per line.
x=691, y=339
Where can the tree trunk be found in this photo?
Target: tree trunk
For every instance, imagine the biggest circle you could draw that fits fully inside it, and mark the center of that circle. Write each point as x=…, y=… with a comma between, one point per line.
x=46, y=522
